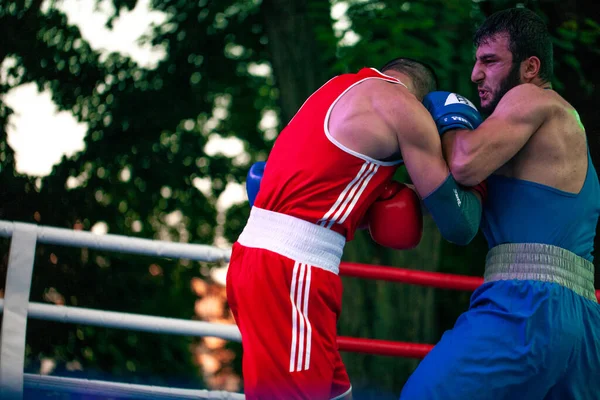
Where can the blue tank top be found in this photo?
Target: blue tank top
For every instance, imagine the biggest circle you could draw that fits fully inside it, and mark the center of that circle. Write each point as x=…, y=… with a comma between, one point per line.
x=518, y=211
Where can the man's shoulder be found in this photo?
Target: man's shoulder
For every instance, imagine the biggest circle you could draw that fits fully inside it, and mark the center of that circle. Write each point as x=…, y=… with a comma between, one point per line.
x=380, y=84
x=535, y=94
x=530, y=91
x=530, y=98
x=393, y=105
x=385, y=97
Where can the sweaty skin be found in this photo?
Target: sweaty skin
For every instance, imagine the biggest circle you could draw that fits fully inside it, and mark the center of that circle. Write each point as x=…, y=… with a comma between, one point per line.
x=384, y=121
x=533, y=134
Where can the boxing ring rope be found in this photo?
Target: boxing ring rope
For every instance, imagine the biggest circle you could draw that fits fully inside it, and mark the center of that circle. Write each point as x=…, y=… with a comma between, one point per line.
x=16, y=308
x=120, y=243
x=410, y=276
x=134, y=322
x=121, y=390
x=438, y=280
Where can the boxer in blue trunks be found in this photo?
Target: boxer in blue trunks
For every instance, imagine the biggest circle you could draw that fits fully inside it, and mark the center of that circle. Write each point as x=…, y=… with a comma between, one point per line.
x=532, y=330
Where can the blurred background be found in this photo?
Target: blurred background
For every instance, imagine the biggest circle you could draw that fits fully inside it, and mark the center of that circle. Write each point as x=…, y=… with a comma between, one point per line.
x=141, y=118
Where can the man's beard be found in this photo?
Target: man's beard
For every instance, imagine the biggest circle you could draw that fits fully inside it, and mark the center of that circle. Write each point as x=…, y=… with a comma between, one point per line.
x=513, y=79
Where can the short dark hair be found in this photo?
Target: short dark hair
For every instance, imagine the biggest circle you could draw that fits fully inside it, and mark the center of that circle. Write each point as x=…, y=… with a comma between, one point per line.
x=423, y=77
x=527, y=36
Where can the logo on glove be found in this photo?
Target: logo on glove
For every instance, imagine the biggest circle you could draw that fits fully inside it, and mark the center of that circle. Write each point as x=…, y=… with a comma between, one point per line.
x=454, y=98
x=458, y=118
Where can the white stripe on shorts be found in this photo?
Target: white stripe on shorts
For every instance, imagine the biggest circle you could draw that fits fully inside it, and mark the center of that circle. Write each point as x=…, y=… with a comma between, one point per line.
x=301, y=327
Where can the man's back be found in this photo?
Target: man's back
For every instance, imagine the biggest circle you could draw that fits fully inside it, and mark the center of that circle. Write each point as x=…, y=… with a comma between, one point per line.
x=360, y=120
x=312, y=176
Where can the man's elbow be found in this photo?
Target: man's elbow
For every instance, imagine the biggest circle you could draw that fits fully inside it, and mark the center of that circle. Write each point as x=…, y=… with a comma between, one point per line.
x=460, y=235
x=464, y=172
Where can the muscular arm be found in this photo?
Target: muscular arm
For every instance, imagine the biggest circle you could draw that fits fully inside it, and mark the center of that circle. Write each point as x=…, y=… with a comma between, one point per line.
x=474, y=155
x=456, y=211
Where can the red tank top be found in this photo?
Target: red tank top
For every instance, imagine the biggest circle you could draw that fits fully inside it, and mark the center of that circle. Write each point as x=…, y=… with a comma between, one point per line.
x=311, y=176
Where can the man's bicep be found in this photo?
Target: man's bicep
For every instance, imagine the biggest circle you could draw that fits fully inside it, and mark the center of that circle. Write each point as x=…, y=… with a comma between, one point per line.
x=473, y=156
x=506, y=135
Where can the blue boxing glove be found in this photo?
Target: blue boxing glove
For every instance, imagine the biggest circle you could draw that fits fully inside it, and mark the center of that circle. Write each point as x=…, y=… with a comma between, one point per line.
x=253, y=179
x=451, y=111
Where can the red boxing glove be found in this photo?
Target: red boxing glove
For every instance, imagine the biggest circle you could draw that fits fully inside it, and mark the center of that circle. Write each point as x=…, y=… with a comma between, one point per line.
x=482, y=189
x=388, y=191
x=396, y=219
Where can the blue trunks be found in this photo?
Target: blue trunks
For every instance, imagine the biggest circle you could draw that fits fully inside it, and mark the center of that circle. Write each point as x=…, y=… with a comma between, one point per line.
x=532, y=332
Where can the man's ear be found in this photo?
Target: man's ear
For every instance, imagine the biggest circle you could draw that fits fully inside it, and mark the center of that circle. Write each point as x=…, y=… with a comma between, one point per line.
x=530, y=68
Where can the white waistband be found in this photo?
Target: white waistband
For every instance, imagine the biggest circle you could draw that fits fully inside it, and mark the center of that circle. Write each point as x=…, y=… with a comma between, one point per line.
x=294, y=238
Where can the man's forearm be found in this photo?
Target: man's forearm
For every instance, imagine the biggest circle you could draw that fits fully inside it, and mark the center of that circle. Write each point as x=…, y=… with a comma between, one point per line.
x=456, y=211
x=459, y=154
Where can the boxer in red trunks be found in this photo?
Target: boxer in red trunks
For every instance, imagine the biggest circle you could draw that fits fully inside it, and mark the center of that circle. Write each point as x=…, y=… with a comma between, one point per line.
x=328, y=173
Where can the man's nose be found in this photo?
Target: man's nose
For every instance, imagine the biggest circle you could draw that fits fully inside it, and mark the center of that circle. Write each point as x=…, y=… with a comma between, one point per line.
x=477, y=73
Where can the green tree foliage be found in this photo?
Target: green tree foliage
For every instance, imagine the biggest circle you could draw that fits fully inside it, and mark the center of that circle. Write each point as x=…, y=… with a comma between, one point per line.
x=146, y=152
x=145, y=148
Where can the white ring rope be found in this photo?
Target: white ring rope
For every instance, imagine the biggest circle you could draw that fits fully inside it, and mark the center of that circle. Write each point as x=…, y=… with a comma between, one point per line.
x=121, y=390
x=24, y=253
x=122, y=244
x=135, y=322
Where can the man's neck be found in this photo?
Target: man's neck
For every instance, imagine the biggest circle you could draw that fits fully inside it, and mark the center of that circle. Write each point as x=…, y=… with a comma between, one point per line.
x=405, y=79
x=541, y=84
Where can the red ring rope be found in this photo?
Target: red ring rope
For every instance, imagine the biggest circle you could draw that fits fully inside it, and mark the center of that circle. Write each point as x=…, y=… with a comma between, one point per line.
x=414, y=277
x=409, y=276
x=383, y=347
